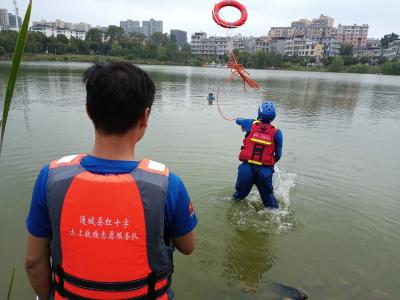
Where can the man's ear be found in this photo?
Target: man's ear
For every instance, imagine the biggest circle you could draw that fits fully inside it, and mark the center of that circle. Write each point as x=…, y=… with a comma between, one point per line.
x=144, y=121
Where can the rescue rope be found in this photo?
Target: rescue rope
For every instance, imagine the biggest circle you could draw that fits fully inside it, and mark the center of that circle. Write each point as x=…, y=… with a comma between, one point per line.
x=236, y=69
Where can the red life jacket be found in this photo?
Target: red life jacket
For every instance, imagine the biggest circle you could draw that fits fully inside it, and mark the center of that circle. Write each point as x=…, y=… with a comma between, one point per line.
x=259, y=145
x=108, y=232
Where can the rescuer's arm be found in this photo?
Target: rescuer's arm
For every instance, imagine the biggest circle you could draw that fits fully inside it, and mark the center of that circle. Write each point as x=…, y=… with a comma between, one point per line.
x=186, y=244
x=37, y=265
x=278, y=145
x=181, y=217
x=37, y=261
x=245, y=124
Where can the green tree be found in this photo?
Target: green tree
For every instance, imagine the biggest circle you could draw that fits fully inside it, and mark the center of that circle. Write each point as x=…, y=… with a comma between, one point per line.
x=116, y=49
x=94, y=35
x=391, y=68
x=348, y=60
x=337, y=65
x=2, y=51
x=387, y=39
x=8, y=39
x=364, y=59
x=359, y=68
x=346, y=50
x=115, y=33
x=160, y=39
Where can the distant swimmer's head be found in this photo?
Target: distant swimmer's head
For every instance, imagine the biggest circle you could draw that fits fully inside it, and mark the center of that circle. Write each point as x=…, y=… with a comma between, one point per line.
x=119, y=97
x=267, y=112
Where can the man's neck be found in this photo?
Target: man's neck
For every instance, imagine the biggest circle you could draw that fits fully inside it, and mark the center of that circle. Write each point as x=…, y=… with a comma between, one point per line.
x=114, y=147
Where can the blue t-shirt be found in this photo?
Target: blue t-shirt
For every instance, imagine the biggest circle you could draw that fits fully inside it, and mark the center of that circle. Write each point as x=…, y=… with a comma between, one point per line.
x=179, y=216
x=248, y=123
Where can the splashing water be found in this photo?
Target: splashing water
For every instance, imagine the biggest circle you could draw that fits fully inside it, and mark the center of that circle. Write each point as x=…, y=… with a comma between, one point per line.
x=250, y=212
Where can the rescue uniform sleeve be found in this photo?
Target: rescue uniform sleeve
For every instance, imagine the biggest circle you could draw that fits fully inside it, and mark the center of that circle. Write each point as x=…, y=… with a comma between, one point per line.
x=245, y=124
x=38, y=220
x=180, y=214
x=278, y=145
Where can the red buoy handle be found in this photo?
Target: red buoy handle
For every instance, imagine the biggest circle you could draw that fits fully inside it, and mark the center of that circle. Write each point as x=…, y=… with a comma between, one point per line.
x=221, y=22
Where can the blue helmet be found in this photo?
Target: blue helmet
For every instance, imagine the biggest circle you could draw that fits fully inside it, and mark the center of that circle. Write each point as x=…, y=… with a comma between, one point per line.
x=267, y=112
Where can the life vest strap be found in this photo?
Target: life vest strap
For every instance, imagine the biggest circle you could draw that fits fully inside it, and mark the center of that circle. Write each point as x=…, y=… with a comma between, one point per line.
x=158, y=293
x=149, y=281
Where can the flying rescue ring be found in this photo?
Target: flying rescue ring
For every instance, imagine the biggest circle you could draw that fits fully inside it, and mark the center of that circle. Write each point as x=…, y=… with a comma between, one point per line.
x=221, y=22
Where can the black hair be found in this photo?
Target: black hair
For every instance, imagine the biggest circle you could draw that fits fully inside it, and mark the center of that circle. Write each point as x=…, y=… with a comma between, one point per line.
x=118, y=95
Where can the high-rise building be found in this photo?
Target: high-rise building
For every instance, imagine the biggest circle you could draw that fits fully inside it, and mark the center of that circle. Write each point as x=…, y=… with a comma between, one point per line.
x=12, y=21
x=356, y=35
x=4, y=19
x=130, y=26
x=152, y=26
x=180, y=37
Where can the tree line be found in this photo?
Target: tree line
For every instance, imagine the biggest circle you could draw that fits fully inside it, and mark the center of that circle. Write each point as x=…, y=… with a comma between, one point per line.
x=162, y=47
x=114, y=42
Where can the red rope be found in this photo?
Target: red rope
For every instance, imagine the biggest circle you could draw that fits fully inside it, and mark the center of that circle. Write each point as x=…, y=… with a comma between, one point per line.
x=237, y=70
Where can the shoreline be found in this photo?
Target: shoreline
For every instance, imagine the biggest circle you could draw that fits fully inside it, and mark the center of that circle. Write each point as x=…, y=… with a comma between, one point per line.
x=103, y=58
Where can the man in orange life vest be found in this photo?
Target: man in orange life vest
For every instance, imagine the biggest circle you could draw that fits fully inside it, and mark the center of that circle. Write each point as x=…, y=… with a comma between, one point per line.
x=109, y=223
x=262, y=148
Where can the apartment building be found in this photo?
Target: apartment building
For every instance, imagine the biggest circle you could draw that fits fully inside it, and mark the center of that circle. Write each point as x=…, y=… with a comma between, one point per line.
x=356, y=35
x=54, y=32
x=4, y=21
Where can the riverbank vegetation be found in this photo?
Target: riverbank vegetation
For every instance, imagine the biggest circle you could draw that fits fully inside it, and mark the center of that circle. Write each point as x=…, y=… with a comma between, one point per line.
x=162, y=49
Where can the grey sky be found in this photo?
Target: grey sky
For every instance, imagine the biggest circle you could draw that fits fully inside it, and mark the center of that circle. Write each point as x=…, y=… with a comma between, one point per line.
x=382, y=16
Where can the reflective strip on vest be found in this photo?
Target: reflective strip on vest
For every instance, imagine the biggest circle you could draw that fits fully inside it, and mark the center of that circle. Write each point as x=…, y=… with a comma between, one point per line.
x=108, y=230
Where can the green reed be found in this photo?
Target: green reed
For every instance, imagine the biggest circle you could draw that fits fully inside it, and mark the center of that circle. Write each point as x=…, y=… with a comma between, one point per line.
x=16, y=62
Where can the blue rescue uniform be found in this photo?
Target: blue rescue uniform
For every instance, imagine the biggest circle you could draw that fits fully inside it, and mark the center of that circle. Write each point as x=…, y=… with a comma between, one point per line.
x=261, y=176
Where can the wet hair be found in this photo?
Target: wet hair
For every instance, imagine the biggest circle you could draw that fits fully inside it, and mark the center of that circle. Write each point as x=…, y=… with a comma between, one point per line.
x=118, y=95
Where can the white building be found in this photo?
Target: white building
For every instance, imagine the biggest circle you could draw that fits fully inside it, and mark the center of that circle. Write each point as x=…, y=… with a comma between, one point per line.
x=4, y=22
x=300, y=46
x=217, y=47
x=152, y=26
x=130, y=26
x=393, y=51
x=60, y=24
x=54, y=32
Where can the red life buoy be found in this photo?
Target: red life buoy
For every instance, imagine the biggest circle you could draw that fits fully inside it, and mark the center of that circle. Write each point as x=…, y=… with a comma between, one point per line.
x=221, y=22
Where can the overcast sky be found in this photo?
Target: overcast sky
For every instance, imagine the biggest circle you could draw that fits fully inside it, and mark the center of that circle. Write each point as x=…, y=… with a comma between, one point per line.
x=383, y=16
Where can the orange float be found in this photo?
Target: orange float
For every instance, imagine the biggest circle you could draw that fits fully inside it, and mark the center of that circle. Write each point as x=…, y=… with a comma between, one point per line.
x=223, y=23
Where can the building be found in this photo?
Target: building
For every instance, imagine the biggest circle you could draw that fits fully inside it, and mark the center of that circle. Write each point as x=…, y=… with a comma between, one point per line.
x=300, y=46
x=60, y=24
x=356, y=35
x=130, y=26
x=12, y=21
x=4, y=22
x=81, y=26
x=319, y=28
x=262, y=44
x=393, y=50
x=152, y=26
x=180, y=37
x=277, y=45
x=54, y=32
x=331, y=47
x=216, y=47
x=281, y=32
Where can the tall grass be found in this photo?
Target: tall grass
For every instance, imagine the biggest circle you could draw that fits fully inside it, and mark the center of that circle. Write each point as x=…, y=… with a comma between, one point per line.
x=11, y=284
x=16, y=62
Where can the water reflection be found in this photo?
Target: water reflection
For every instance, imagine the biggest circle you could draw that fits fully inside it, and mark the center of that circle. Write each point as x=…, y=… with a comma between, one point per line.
x=249, y=255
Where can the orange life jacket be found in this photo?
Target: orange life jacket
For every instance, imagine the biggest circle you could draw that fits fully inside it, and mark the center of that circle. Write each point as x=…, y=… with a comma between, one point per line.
x=259, y=145
x=108, y=232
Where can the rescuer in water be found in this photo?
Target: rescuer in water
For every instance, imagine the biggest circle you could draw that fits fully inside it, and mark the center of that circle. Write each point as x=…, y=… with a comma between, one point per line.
x=211, y=98
x=262, y=148
x=104, y=224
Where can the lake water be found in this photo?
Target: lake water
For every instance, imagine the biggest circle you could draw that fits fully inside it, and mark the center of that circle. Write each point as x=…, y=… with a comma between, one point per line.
x=337, y=234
